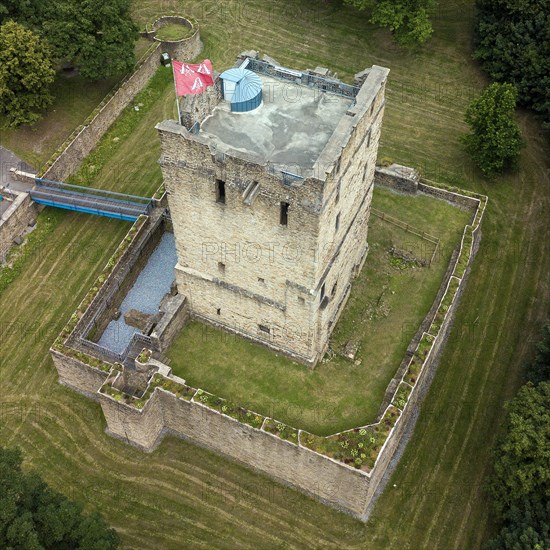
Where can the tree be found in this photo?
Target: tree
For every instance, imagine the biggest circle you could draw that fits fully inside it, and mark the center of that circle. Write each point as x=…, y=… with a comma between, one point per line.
x=97, y=36
x=520, y=483
x=33, y=516
x=539, y=369
x=526, y=527
x=495, y=138
x=26, y=74
x=522, y=456
x=513, y=45
x=408, y=20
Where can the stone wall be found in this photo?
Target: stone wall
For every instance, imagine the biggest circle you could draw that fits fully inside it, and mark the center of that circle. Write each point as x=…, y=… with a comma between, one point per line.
x=65, y=163
x=179, y=409
x=15, y=220
x=397, y=177
x=318, y=476
x=182, y=50
x=78, y=376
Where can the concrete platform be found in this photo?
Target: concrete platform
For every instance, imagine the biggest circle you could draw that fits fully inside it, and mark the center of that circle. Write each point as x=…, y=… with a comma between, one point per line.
x=289, y=129
x=10, y=160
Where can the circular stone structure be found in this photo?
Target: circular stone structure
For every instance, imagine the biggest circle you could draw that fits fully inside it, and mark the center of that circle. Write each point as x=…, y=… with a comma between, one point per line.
x=184, y=49
x=242, y=89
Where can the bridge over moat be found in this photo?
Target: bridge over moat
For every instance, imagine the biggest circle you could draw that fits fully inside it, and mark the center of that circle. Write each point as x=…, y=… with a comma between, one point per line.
x=89, y=200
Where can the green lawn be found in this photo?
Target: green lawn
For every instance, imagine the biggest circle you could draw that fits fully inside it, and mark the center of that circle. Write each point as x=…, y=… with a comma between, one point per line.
x=387, y=305
x=183, y=496
x=174, y=31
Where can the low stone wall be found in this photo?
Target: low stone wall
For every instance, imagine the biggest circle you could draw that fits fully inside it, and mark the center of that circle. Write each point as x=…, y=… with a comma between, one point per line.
x=314, y=474
x=185, y=49
x=400, y=178
x=66, y=162
x=15, y=220
x=78, y=376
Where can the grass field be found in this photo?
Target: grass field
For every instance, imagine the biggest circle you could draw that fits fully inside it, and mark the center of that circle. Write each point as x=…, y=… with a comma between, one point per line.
x=387, y=304
x=174, y=31
x=182, y=496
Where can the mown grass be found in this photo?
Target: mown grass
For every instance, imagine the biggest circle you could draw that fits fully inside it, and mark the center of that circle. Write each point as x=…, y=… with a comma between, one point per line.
x=174, y=31
x=385, y=309
x=182, y=495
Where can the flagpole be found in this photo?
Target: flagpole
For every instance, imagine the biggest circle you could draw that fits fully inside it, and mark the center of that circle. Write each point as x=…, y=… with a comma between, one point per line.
x=177, y=98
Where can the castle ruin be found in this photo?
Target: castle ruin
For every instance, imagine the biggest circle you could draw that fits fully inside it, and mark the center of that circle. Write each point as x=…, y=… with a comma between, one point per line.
x=269, y=179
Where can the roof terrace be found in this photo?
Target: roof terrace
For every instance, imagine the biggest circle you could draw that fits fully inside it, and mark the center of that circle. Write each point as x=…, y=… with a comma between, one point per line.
x=290, y=128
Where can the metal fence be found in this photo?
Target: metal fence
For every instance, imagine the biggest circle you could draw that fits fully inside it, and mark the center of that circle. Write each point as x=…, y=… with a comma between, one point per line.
x=307, y=79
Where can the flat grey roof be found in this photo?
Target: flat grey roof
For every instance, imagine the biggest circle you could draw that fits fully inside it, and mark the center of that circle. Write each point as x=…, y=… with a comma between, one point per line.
x=289, y=129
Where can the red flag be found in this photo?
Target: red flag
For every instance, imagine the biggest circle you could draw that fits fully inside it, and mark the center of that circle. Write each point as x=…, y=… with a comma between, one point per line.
x=192, y=79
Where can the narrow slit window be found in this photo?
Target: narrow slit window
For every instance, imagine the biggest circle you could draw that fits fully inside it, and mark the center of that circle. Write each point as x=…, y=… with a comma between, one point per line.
x=284, y=213
x=323, y=291
x=334, y=288
x=337, y=224
x=368, y=138
x=220, y=191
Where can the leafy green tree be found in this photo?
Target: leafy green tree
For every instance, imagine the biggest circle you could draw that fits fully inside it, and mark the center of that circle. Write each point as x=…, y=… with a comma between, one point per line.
x=26, y=74
x=539, y=369
x=408, y=20
x=494, y=141
x=513, y=45
x=98, y=36
x=521, y=469
x=33, y=516
x=526, y=527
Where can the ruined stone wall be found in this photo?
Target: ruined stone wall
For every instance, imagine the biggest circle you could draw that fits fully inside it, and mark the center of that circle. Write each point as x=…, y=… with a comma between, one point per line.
x=318, y=476
x=196, y=107
x=267, y=267
x=77, y=375
x=15, y=220
x=239, y=266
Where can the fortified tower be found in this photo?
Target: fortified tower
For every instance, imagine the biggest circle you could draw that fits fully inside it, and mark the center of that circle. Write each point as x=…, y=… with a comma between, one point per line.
x=269, y=178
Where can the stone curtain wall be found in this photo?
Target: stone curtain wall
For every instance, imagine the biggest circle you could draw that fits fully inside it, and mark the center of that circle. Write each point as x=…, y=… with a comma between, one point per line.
x=15, y=220
x=318, y=476
x=64, y=164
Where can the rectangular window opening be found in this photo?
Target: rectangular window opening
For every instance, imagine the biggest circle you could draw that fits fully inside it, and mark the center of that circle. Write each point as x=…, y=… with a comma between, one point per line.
x=221, y=267
x=219, y=311
x=301, y=300
x=220, y=191
x=261, y=281
x=284, y=213
x=265, y=329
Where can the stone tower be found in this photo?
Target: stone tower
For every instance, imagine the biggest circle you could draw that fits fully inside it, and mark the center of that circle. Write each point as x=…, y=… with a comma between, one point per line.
x=270, y=206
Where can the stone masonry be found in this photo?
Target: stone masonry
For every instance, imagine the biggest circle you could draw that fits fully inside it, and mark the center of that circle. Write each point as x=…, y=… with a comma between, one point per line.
x=270, y=216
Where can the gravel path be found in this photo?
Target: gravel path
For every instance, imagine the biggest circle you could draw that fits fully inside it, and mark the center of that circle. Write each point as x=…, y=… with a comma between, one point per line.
x=151, y=285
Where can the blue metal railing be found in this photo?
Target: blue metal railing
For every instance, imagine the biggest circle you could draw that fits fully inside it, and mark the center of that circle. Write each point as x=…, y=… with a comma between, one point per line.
x=90, y=200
